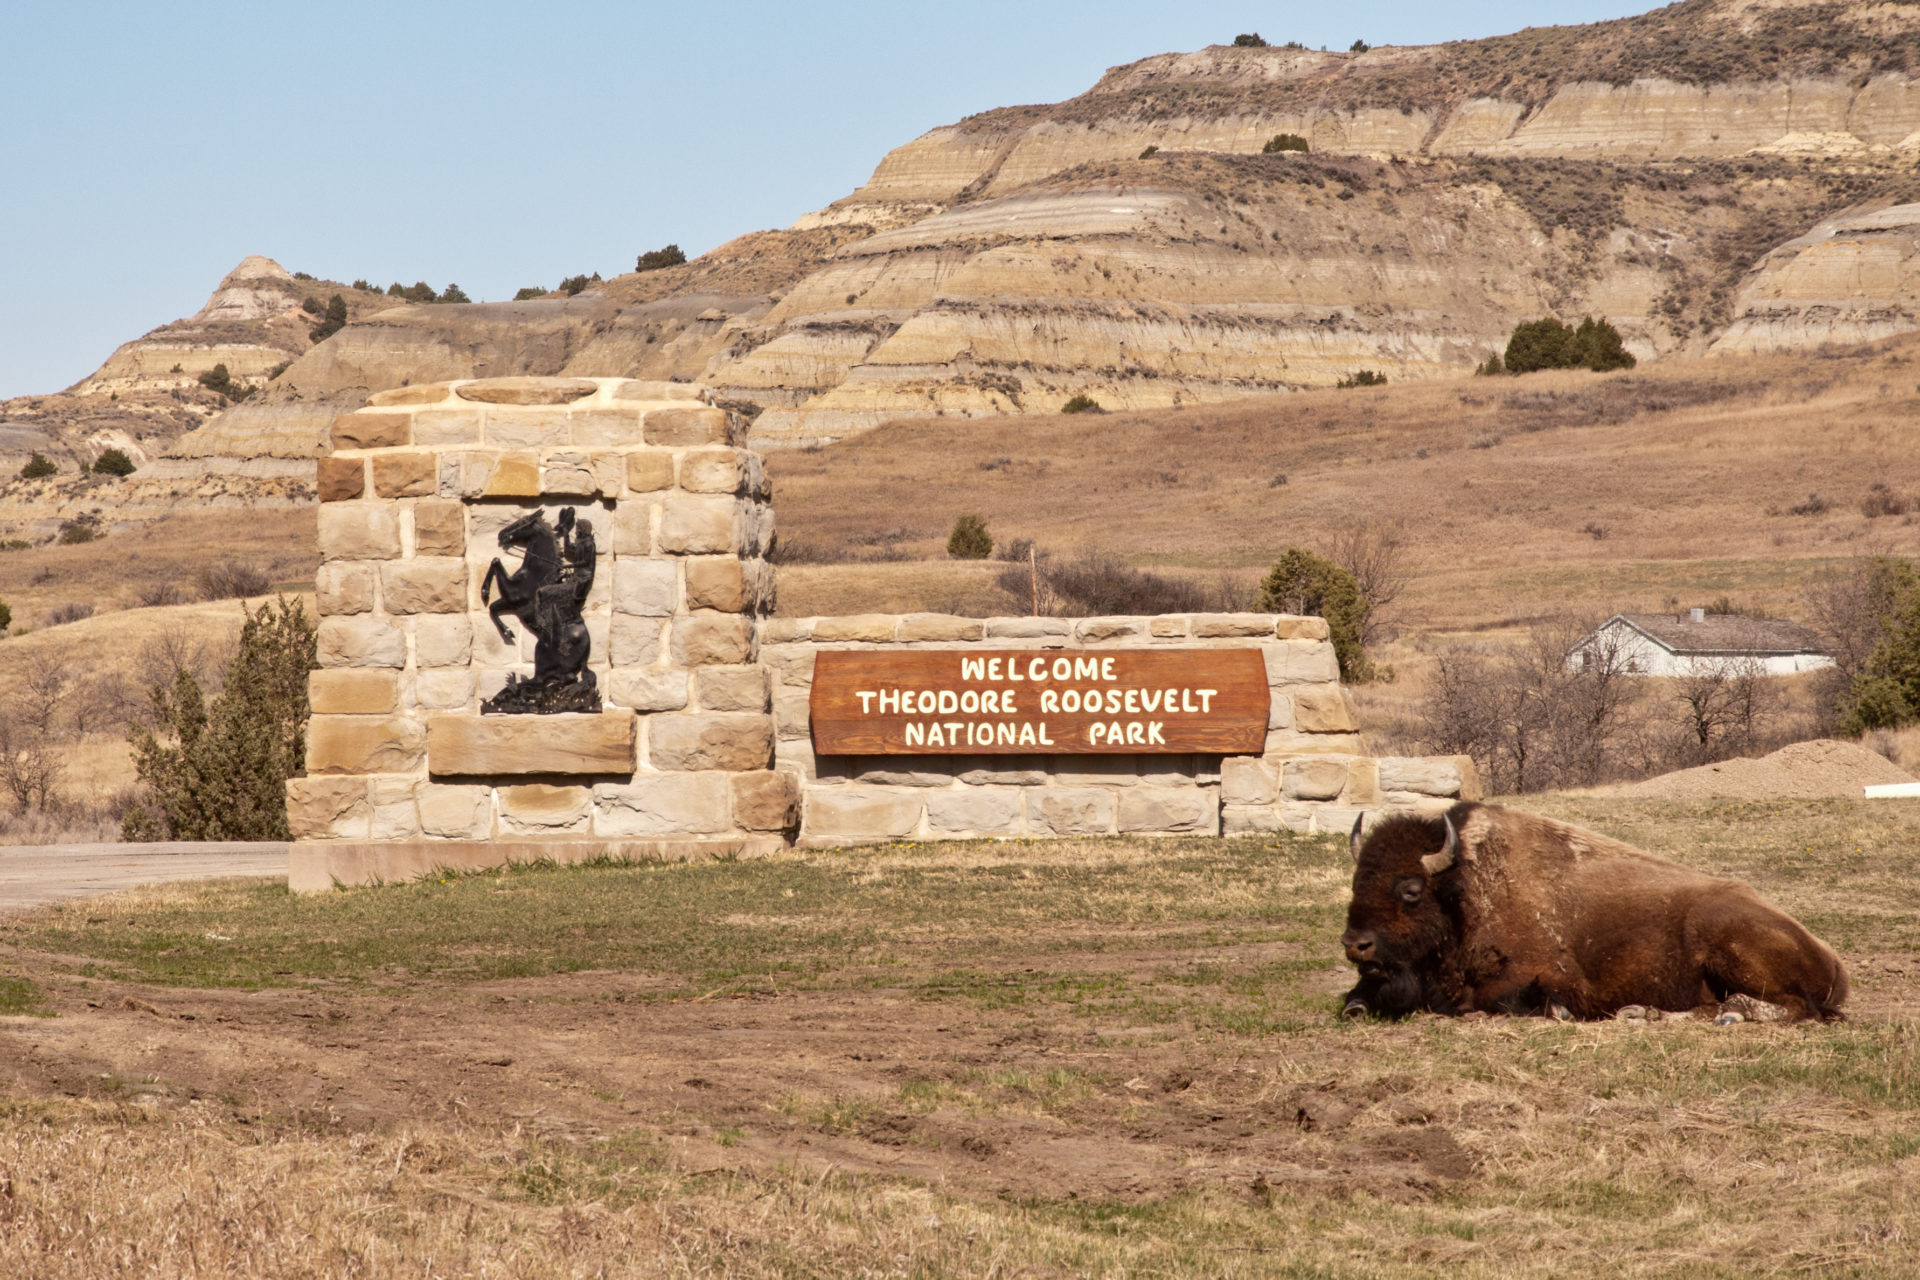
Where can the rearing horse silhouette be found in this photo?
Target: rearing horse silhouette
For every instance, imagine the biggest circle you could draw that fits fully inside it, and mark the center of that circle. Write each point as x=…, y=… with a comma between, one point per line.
x=520, y=590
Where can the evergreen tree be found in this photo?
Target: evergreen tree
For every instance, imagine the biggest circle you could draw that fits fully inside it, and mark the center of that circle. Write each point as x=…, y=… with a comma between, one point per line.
x=1304, y=583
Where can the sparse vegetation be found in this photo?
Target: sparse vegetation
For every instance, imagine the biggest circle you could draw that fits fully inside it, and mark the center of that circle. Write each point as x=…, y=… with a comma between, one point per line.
x=1150, y=150
x=655, y=259
x=573, y=285
x=970, y=539
x=1548, y=344
x=1301, y=582
x=232, y=580
x=113, y=462
x=1082, y=403
x=39, y=467
x=1358, y=46
x=333, y=321
x=77, y=531
x=1363, y=378
x=6, y=617
x=221, y=382
x=1285, y=142
x=1249, y=40
x=529, y=292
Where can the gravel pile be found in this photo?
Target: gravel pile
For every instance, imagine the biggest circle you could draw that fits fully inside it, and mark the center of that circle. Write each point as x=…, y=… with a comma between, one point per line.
x=1802, y=771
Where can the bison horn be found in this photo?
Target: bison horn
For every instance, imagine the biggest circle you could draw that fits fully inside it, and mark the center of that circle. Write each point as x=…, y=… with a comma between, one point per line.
x=1435, y=863
x=1353, y=841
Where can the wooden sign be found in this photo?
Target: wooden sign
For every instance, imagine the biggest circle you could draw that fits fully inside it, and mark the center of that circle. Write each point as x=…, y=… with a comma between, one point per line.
x=1012, y=702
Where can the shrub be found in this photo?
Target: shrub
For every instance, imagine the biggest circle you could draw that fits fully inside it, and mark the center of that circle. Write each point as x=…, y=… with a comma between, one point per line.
x=363, y=286
x=531, y=291
x=574, y=284
x=335, y=320
x=1358, y=46
x=1251, y=40
x=1490, y=367
x=113, y=462
x=1597, y=346
x=72, y=611
x=219, y=771
x=230, y=580
x=165, y=592
x=1285, y=142
x=1301, y=582
x=38, y=467
x=1548, y=344
x=969, y=539
x=1100, y=585
x=77, y=531
x=1364, y=378
x=454, y=293
x=654, y=259
x=1815, y=505
x=1150, y=151
x=418, y=291
x=303, y=275
x=1881, y=501
x=1082, y=404
x=217, y=379
x=6, y=616
x=278, y=369
x=312, y=306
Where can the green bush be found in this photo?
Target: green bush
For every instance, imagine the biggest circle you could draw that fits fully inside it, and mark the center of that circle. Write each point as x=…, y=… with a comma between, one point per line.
x=1363, y=378
x=363, y=286
x=1548, y=344
x=453, y=293
x=654, y=259
x=1358, y=46
x=970, y=539
x=113, y=462
x=6, y=616
x=334, y=321
x=1251, y=40
x=1285, y=142
x=39, y=467
x=574, y=284
x=217, y=379
x=1490, y=367
x=531, y=291
x=1304, y=583
x=77, y=531
x=312, y=306
x=219, y=771
x=1150, y=151
x=1082, y=404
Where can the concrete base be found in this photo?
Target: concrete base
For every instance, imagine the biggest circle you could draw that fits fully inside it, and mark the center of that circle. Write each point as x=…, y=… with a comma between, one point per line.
x=318, y=866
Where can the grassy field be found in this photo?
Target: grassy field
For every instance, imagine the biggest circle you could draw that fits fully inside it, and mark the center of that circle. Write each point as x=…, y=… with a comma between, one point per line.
x=1100, y=1057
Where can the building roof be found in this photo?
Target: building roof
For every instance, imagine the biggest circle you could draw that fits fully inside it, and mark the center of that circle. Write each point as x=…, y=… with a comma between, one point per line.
x=1722, y=633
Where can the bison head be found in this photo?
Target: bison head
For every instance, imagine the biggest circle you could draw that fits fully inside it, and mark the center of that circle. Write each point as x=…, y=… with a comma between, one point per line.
x=1401, y=924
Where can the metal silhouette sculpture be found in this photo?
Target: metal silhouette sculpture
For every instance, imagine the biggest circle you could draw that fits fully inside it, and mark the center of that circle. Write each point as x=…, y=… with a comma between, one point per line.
x=547, y=594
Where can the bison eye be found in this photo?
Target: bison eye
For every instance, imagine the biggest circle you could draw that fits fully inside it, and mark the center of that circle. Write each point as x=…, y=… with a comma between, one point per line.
x=1410, y=890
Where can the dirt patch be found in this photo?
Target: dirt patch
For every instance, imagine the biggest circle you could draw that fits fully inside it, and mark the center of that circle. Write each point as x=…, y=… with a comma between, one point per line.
x=1803, y=771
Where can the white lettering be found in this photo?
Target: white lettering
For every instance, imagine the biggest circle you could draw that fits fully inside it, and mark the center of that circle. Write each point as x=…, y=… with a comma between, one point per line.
x=916, y=734
x=1005, y=737
x=1006, y=703
x=1186, y=700
x=1106, y=669
x=990, y=701
x=890, y=701
x=1115, y=734
x=866, y=699
x=1086, y=668
x=1069, y=701
x=970, y=700
x=1095, y=732
x=1045, y=741
x=1136, y=732
x=1037, y=670
x=1206, y=697
x=1149, y=700
x=1167, y=702
x=993, y=668
x=1063, y=668
x=972, y=668
x=949, y=702
x=1049, y=700
x=1153, y=733
x=929, y=702
x=1113, y=701
x=1133, y=702
x=1013, y=669
x=1026, y=735
x=934, y=738
x=953, y=731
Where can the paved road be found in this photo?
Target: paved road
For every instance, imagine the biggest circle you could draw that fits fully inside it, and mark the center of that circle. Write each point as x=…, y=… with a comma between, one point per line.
x=34, y=874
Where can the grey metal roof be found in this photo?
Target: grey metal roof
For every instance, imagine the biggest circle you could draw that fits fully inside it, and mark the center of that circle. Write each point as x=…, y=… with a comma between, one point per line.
x=1722, y=633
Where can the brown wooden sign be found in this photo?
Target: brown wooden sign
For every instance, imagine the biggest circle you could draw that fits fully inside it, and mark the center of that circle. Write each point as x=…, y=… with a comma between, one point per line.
x=1010, y=702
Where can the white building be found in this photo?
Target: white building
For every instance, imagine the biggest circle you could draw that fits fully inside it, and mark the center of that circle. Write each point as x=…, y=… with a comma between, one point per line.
x=1699, y=643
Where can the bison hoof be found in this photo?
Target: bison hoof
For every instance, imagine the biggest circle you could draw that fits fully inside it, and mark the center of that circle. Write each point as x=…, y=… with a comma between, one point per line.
x=1559, y=1013
x=1631, y=1013
x=1354, y=1009
x=1728, y=1019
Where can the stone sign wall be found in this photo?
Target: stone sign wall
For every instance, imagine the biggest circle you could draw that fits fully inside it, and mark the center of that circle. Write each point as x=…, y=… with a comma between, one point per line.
x=1312, y=774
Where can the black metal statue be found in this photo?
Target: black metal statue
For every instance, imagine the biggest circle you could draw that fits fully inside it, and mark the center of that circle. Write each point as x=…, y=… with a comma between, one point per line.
x=546, y=593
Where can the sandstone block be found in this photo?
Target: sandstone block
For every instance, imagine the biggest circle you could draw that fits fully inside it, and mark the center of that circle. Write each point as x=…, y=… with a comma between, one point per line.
x=1232, y=624
x=647, y=472
x=718, y=582
x=699, y=524
x=1469, y=777
x=633, y=528
x=940, y=626
x=647, y=588
x=341, y=478
x=328, y=808
x=792, y=663
x=1289, y=627
x=633, y=641
x=730, y=741
x=603, y=427
x=648, y=688
x=1246, y=780
x=1338, y=820
x=447, y=427
x=1169, y=809
x=1289, y=742
x=1279, y=709
x=678, y=427
x=1321, y=779
x=514, y=475
x=463, y=745
x=526, y=390
x=1069, y=811
x=648, y=389
x=895, y=771
x=663, y=804
x=359, y=531
x=873, y=628
x=1242, y=820
x=1097, y=771
x=1168, y=626
x=372, y=430
x=364, y=744
x=569, y=475
x=1026, y=628
x=1427, y=776
x=714, y=471
x=361, y=641
x=732, y=688
x=436, y=584
x=405, y=475
x=862, y=813
x=756, y=529
x=341, y=587
x=609, y=474
x=395, y=815
x=425, y=393
x=1363, y=782
x=467, y=475
x=1001, y=771
x=986, y=811
x=792, y=715
x=712, y=639
x=455, y=812
x=439, y=529
x=1095, y=630
x=442, y=641
x=1322, y=710
x=350, y=691
x=543, y=809
x=447, y=689
x=1300, y=662
x=765, y=800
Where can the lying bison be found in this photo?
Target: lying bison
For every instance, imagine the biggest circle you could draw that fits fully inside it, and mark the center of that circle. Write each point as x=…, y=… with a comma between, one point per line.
x=1491, y=909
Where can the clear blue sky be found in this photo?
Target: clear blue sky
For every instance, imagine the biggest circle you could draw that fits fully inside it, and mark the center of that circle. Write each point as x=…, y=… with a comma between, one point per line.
x=146, y=148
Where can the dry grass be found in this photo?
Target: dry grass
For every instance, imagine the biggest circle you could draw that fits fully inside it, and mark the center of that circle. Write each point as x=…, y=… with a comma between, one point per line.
x=1687, y=467
x=1036, y=1058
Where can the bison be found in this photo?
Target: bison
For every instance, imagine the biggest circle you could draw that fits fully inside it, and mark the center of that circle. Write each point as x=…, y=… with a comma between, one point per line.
x=1490, y=909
